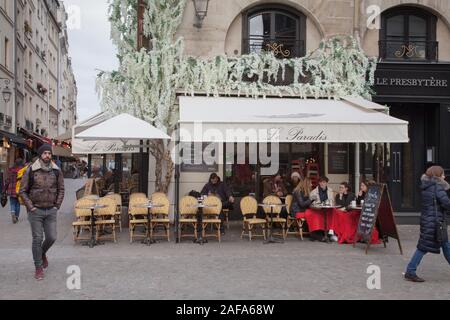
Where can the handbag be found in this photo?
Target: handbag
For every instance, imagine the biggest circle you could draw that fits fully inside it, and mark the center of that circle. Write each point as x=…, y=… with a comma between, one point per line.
x=439, y=224
x=4, y=199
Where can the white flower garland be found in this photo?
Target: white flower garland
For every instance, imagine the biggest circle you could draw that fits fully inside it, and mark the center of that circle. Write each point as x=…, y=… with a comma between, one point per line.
x=147, y=81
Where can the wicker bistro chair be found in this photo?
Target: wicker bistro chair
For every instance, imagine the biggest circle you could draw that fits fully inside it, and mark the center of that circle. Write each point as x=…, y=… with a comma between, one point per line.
x=160, y=216
x=211, y=216
x=106, y=217
x=118, y=216
x=137, y=195
x=137, y=217
x=292, y=222
x=249, y=208
x=188, y=216
x=82, y=219
x=277, y=220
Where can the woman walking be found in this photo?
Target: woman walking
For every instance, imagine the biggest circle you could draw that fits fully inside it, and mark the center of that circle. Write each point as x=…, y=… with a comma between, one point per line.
x=433, y=221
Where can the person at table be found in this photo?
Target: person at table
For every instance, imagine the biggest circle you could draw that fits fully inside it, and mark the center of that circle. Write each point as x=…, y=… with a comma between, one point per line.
x=323, y=192
x=296, y=178
x=275, y=187
x=363, y=188
x=344, y=198
x=301, y=201
x=215, y=187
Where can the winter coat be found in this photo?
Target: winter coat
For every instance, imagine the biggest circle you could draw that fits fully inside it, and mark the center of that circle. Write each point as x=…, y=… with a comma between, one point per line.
x=46, y=190
x=433, y=188
x=315, y=194
x=299, y=203
x=346, y=200
x=11, y=181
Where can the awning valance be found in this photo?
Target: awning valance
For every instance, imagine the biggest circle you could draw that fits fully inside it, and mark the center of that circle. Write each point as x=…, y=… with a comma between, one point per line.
x=287, y=120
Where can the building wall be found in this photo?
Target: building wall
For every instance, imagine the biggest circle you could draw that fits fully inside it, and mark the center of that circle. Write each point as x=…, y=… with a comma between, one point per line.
x=7, y=58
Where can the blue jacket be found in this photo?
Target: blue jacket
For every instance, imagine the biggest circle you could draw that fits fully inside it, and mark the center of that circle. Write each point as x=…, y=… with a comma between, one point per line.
x=433, y=188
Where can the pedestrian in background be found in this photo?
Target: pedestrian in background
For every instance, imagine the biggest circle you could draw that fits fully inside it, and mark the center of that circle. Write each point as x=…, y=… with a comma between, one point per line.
x=10, y=190
x=433, y=220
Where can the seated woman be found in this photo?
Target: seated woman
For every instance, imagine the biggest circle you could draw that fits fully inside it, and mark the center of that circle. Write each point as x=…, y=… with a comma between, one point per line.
x=363, y=188
x=301, y=200
x=344, y=198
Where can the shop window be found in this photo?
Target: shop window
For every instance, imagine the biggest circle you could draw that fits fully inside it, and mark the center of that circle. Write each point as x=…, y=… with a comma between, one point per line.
x=408, y=34
x=279, y=29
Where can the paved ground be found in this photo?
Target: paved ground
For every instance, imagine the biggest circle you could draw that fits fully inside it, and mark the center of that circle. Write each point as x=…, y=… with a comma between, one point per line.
x=234, y=269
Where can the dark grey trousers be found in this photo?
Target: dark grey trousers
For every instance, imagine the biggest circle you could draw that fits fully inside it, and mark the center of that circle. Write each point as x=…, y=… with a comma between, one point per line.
x=43, y=222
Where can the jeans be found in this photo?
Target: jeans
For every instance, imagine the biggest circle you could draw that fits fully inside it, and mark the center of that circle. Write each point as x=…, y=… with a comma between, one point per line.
x=417, y=258
x=15, y=206
x=43, y=222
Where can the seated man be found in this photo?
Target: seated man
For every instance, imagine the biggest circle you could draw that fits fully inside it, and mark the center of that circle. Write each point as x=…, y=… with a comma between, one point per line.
x=215, y=187
x=322, y=193
x=344, y=198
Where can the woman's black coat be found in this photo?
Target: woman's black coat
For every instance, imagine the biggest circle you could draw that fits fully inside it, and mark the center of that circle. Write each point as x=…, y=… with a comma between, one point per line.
x=433, y=188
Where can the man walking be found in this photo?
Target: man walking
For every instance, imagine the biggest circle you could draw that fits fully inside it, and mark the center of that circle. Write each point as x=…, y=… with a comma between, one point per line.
x=10, y=189
x=42, y=190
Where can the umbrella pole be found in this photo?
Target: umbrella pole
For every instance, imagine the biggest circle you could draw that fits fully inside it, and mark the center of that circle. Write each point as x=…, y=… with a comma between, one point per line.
x=177, y=185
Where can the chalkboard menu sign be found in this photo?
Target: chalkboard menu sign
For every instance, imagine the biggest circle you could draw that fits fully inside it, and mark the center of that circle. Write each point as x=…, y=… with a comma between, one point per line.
x=377, y=213
x=369, y=212
x=338, y=158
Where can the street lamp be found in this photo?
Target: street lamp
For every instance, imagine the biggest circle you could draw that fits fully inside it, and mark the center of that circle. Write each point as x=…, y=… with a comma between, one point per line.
x=201, y=10
x=6, y=93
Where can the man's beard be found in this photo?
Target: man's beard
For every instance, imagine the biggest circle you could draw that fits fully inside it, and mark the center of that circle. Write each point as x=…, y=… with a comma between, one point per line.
x=46, y=161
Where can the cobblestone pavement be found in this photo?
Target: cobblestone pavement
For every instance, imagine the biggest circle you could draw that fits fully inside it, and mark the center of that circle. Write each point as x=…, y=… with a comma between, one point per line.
x=234, y=269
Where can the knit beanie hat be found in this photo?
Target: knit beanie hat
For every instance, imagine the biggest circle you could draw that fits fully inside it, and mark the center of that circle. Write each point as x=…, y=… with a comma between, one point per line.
x=43, y=148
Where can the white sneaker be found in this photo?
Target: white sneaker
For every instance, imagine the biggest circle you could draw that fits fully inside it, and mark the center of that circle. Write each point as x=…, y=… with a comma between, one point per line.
x=334, y=239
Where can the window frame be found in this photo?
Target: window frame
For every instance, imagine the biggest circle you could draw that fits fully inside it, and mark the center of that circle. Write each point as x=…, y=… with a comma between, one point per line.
x=431, y=52
x=273, y=9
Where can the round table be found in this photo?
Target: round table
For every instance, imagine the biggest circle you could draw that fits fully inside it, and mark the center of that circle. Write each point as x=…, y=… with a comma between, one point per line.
x=271, y=239
x=149, y=240
x=92, y=242
x=200, y=206
x=324, y=209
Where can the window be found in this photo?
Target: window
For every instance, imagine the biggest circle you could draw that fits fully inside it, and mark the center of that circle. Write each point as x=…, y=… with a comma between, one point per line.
x=279, y=29
x=7, y=57
x=408, y=34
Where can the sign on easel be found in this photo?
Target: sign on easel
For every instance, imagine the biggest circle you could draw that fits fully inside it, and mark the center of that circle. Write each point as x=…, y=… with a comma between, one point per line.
x=377, y=212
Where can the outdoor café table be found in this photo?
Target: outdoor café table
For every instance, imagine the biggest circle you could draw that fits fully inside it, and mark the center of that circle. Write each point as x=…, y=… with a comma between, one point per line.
x=148, y=240
x=92, y=242
x=271, y=239
x=325, y=209
x=200, y=206
x=345, y=225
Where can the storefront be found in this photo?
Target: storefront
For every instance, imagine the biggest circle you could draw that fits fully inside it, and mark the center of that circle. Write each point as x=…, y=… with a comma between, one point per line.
x=249, y=140
x=418, y=92
x=11, y=147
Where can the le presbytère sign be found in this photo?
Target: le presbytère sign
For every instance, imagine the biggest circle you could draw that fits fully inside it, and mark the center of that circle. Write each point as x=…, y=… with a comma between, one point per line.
x=403, y=80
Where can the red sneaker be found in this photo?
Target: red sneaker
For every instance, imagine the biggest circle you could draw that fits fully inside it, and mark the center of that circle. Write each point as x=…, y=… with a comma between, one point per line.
x=44, y=261
x=39, y=274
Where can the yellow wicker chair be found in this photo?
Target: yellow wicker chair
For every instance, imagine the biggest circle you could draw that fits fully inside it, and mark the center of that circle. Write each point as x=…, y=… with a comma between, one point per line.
x=249, y=208
x=188, y=216
x=118, y=216
x=137, y=217
x=296, y=224
x=277, y=220
x=105, y=217
x=211, y=216
x=160, y=216
x=82, y=218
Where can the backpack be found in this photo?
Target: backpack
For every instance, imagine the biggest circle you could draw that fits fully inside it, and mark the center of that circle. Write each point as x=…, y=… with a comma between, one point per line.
x=30, y=180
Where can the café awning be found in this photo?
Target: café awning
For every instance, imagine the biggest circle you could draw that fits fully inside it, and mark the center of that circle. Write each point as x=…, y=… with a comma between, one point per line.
x=123, y=127
x=350, y=120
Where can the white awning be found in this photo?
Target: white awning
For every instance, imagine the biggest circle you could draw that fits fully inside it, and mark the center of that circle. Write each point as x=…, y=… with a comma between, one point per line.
x=123, y=127
x=204, y=119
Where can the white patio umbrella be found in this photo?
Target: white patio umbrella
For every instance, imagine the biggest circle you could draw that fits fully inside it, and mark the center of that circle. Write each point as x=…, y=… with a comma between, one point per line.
x=123, y=127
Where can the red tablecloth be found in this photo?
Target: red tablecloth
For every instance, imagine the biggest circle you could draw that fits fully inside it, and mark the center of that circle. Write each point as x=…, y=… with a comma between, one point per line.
x=344, y=224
